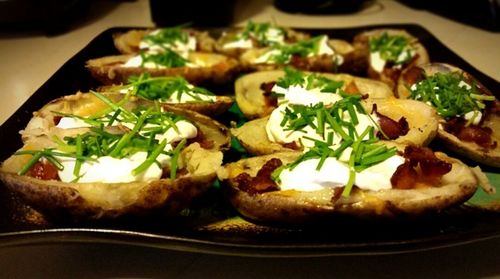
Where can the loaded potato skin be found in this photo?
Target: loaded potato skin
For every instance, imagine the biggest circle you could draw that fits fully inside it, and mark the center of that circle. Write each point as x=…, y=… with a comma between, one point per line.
x=215, y=68
x=477, y=138
x=197, y=163
x=388, y=52
x=254, y=100
x=299, y=207
x=422, y=126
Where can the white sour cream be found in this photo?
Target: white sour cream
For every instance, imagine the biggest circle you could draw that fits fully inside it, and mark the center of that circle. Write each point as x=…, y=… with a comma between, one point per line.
x=335, y=173
x=112, y=170
x=181, y=48
x=323, y=49
x=299, y=95
x=136, y=61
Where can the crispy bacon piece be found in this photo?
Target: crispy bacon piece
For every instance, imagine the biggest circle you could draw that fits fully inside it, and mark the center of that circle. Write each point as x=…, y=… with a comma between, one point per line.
x=267, y=87
x=390, y=127
x=262, y=182
x=299, y=62
x=43, y=170
x=394, y=72
x=413, y=75
x=292, y=145
x=57, y=119
x=422, y=166
x=472, y=133
x=351, y=88
x=405, y=176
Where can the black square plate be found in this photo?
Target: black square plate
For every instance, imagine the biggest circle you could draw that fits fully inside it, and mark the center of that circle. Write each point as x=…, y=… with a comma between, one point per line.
x=218, y=231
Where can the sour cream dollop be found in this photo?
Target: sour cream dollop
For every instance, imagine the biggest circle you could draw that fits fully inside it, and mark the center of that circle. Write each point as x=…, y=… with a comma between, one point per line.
x=335, y=173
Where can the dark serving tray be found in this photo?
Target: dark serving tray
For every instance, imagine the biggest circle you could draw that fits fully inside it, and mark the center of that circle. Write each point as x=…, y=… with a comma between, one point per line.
x=212, y=226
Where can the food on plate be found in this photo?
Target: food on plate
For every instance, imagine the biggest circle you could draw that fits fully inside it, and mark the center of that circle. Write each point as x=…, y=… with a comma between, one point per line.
x=196, y=67
x=389, y=52
x=297, y=123
x=93, y=156
x=319, y=53
x=469, y=112
x=256, y=35
x=294, y=187
x=257, y=93
x=179, y=39
x=174, y=91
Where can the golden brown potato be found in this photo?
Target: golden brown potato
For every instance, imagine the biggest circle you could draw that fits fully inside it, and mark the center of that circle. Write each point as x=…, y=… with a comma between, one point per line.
x=422, y=121
x=216, y=68
x=253, y=104
x=197, y=165
x=462, y=141
x=389, y=73
x=128, y=42
x=296, y=207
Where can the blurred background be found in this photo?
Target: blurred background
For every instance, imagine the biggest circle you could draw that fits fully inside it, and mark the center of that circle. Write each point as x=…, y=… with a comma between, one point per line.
x=57, y=16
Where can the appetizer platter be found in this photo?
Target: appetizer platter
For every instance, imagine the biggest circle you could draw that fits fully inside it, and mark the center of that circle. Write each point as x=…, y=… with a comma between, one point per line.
x=224, y=167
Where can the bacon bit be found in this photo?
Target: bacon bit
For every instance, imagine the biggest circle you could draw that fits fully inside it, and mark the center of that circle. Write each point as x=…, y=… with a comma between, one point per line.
x=299, y=62
x=352, y=88
x=413, y=75
x=262, y=182
x=390, y=127
x=337, y=193
x=292, y=145
x=43, y=170
x=57, y=119
x=421, y=166
x=472, y=133
x=267, y=87
x=405, y=176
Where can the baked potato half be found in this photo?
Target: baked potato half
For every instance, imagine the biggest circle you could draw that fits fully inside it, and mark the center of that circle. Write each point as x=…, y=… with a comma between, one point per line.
x=209, y=67
x=173, y=91
x=389, y=51
x=135, y=40
x=254, y=36
x=318, y=54
x=470, y=128
x=255, y=102
x=421, y=119
x=32, y=173
x=276, y=206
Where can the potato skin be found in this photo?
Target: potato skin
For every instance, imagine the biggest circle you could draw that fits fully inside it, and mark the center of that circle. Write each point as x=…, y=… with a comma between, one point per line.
x=486, y=156
x=128, y=42
x=297, y=207
x=422, y=121
x=361, y=44
x=291, y=37
x=352, y=60
x=251, y=101
x=219, y=106
x=111, y=200
x=219, y=69
x=58, y=199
